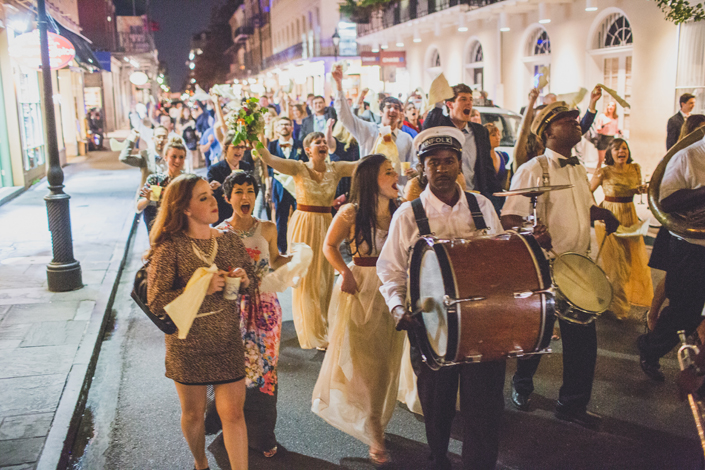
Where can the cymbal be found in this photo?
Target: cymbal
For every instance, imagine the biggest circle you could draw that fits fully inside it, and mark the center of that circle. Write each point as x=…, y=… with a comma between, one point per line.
x=534, y=191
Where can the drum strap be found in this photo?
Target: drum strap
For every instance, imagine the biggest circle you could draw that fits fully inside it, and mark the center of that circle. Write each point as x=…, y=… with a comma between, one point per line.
x=422, y=219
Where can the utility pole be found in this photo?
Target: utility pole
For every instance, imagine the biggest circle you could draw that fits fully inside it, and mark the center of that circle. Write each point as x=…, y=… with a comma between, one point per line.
x=64, y=272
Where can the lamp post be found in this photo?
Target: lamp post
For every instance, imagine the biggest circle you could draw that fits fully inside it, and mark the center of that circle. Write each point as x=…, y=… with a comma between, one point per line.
x=64, y=272
x=336, y=42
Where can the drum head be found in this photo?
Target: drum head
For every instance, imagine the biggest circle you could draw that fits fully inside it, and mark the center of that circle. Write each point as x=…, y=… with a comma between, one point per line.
x=431, y=285
x=582, y=282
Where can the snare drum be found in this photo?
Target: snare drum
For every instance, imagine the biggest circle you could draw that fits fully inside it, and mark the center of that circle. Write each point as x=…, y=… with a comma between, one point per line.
x=487, y=298
x=582, y=289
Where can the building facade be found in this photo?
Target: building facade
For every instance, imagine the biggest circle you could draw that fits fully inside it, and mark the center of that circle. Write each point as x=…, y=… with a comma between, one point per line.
x=503, y=47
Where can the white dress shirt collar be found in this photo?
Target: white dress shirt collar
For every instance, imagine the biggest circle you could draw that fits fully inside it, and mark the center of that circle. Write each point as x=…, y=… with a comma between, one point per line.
x=431, y=201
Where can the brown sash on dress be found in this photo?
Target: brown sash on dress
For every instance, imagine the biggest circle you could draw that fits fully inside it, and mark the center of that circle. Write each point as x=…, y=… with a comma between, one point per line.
x=366, y=261
x=319, y=209
x=619, y=199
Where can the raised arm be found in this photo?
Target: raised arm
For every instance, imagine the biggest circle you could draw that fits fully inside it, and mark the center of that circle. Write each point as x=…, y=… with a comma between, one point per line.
x=220, y=128
x=282, y=165
x=359, y=128
x=346, y=169
x=339, y=230
x=596, y=180
x=269, y=232
x=330, y=140
x=589, y=116
x=524, y=131
x=126, y=155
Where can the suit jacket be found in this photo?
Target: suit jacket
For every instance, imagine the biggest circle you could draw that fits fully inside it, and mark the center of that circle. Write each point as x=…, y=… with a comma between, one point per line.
x=297, y=153
x=307, y=124
x=673, y=130
x=486, y=181
x=218, y=172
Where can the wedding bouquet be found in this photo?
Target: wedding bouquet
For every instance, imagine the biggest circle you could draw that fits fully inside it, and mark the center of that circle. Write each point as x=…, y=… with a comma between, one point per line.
x=247, y=123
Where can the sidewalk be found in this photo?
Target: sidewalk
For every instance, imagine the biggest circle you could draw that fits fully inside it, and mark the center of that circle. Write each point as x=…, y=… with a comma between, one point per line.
x=48, y=340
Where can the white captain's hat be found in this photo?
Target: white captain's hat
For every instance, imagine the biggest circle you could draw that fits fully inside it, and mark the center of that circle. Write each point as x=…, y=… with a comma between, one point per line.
x=437, y=138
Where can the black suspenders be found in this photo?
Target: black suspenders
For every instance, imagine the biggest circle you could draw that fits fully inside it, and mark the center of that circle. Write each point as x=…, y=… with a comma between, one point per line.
x=422, y=219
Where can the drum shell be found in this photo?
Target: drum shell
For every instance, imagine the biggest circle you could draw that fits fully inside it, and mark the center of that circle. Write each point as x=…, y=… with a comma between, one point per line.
x=491, y=270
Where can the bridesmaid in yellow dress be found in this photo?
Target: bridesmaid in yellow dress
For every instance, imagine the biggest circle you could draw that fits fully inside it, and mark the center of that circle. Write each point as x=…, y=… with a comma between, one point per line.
x=357, y=387
x=624, y=259
x=316, y=182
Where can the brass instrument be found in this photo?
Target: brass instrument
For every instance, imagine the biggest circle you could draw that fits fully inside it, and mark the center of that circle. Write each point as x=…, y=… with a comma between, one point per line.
x=686, y=355
x=674, y=222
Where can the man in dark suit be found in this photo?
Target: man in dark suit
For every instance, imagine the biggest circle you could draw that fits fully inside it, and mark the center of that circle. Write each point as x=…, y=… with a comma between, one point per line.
x=234, y=160
x=673, y=130
x=284, y=147
x=316, y=121
x=477, y=165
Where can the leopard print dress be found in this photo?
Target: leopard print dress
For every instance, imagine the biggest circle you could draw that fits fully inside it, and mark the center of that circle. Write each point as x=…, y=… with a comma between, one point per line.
x=213, y=352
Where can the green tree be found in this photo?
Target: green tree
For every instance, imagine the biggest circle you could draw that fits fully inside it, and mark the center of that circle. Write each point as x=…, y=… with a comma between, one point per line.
x=680, y=11
x=213, y=66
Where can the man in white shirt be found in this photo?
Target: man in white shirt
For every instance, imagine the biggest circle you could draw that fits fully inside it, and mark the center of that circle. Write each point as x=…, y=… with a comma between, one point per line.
x=448, y=215
x=366, y=133
x=682, y=190
x=567, y=215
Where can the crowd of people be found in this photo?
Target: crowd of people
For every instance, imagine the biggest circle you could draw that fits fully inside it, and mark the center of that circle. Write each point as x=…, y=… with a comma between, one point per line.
x=347, y=181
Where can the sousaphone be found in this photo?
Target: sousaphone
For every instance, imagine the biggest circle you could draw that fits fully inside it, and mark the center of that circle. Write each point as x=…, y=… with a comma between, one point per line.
x=675, y=222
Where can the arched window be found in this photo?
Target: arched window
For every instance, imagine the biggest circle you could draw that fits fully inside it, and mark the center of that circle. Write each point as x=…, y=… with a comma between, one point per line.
x=474, y=65
x=434, y=66
x=614, y=31
x=435, y=59
x=539, y=43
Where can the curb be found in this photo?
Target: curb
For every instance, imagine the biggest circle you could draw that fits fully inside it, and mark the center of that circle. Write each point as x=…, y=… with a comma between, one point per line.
x=67, y=418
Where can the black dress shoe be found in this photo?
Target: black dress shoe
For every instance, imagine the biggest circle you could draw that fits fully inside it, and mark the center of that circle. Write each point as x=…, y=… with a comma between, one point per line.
x=651, y=369
x=520, y=401
x=580, y=417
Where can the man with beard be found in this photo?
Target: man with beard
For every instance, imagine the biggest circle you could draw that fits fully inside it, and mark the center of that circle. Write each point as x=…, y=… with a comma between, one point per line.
x=478, y=167
x=567, y=214
x=446, y=211
x=366, y=133
x=284, y=202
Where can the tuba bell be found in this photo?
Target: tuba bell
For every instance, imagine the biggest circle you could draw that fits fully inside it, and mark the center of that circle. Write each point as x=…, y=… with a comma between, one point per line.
x=674, y=222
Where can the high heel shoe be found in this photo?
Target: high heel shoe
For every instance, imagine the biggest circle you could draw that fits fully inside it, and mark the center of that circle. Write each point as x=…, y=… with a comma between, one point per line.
x=380, y=458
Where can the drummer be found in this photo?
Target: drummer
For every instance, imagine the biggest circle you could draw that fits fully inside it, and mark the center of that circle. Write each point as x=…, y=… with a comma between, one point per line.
x=567, y=214
x=448, y=214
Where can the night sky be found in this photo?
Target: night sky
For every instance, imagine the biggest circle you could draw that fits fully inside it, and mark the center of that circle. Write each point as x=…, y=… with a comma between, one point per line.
x=178, y=21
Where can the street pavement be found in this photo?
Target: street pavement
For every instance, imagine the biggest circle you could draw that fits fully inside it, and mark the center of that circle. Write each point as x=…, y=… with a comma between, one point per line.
x=132, y=414
x=47, y=339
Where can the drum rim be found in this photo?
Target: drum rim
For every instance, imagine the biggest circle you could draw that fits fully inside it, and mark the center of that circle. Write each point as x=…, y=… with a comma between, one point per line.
x=426, y=243
x=595, y=314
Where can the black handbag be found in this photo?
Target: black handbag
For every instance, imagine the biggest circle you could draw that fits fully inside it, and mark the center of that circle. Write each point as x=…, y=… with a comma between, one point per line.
x=139, y=295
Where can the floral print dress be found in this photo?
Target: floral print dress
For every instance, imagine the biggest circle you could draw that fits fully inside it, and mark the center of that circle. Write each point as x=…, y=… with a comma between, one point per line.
x=261, y=330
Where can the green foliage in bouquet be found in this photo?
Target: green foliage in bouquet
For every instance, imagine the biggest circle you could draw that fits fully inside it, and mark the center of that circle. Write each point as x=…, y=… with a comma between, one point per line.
x=247, y=123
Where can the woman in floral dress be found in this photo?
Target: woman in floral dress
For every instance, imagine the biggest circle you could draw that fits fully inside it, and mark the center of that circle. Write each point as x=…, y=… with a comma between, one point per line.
x=261, y=325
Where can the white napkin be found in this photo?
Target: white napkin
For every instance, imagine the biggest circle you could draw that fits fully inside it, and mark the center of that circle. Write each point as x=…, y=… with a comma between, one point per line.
x=184, y=309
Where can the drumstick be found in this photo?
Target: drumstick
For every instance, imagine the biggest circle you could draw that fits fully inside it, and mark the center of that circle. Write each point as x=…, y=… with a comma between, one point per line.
x=601, y=246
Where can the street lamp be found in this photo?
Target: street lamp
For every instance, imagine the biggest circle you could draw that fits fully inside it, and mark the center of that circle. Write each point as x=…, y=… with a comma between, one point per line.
x=64, y=272
x=336, y=42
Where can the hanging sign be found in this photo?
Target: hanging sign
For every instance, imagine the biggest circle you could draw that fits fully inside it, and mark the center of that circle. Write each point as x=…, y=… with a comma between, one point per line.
x=26, y=51
x=139, y=78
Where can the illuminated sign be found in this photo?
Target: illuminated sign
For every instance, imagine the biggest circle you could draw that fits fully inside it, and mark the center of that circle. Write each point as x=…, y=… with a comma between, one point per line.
x=25, y=50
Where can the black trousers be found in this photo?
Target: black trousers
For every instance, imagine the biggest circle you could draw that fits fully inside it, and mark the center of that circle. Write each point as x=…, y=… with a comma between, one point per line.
x=685, y=289
x=579, y=359
x=281, y=208
x=481, y=406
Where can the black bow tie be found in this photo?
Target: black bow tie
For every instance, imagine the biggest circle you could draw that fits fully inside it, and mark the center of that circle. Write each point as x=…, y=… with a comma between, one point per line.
x=572, y=161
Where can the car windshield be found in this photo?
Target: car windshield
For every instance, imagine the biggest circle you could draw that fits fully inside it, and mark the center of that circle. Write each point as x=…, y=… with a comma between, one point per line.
x=507, y=124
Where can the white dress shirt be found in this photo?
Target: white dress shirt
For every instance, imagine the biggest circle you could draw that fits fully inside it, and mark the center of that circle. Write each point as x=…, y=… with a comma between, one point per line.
x=444, y=221
x=686, y=170
x=566, y=213
x=469, y=157
x=366, y=134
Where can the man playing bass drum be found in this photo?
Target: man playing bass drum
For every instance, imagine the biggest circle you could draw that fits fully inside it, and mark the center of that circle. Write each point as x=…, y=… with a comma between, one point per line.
x=567, y=215
x=449, y=214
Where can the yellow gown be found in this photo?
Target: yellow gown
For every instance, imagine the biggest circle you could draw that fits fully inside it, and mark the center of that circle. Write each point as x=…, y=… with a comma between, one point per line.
x=356, y=390
x=311, y=298
x=624, y=259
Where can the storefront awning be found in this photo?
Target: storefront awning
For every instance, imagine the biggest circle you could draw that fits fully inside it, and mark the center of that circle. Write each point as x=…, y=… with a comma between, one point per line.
x=84, y=53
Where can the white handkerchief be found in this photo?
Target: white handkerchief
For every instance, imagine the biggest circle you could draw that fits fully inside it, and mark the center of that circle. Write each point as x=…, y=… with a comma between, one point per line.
x=184, y=309
x=291, y=273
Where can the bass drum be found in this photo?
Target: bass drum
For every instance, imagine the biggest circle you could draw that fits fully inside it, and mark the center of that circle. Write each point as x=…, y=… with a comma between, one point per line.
x=482, y=299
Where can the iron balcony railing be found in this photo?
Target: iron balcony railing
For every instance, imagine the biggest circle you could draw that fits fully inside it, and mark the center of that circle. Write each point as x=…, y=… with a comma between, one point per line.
x=322, y=48
x=406, y=10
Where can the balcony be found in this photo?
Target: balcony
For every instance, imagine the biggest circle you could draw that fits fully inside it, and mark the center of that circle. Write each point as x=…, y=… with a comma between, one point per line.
x=406, y=10
x=324, y=48
x=242, y=33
